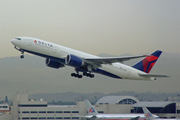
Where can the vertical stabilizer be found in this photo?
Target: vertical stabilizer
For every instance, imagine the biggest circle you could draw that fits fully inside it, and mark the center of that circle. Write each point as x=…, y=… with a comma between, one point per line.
x=147, y=63
x=90, y=109
x=148, y=114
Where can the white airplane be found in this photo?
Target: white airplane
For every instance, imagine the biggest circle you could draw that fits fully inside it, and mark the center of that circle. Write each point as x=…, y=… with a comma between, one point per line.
x=59, y=56
x=93, y=114
x=149, y=116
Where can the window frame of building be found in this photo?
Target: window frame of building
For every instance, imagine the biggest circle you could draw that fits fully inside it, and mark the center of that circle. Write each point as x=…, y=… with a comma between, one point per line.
x=67, y=117
x=42, y=112
x=58, y=112
x=34, y=112
x=50, y=117
x=58, y=118
x=75, y=111
x=25, y=112
x=50, y=111
x=75, y=117
x=67, y=112
x=42, y=118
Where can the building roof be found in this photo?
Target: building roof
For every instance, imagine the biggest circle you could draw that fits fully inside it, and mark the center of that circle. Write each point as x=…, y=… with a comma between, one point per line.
x=152, y=104
x=114, y=99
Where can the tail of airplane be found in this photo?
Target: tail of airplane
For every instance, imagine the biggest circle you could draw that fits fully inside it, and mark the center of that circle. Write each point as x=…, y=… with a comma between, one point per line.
x=148, y=114
x=147, y=63
x=90, y=109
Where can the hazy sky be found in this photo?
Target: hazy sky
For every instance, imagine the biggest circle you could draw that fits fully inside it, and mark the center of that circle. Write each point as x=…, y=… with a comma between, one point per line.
x=93, y=26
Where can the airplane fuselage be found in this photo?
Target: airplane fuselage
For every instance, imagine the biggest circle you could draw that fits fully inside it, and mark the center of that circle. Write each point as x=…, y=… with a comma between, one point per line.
x=59, y=53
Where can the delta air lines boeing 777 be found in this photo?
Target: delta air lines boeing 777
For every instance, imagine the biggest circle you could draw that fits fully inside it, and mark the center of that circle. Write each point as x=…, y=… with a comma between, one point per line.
x=58, y=56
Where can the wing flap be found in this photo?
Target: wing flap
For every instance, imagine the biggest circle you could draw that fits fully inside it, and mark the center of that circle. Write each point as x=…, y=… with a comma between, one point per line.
x=109, y=60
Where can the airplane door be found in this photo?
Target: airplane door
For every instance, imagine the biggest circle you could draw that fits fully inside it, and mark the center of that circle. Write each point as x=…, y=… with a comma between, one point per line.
x=128, y=71
x=30, y=42
x=53, y=49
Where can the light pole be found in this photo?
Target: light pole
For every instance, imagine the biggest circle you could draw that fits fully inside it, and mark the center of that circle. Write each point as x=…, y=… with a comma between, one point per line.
x=136, y=103
x=177, y=110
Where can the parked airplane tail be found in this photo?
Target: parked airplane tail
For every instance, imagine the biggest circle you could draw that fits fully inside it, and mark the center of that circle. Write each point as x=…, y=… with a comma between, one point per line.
x=147, y=63
x=90, y=109
x=148, y=114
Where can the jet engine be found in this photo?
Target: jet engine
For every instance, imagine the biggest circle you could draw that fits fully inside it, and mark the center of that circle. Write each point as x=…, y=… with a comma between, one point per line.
x=53, y=64
x=74, y=61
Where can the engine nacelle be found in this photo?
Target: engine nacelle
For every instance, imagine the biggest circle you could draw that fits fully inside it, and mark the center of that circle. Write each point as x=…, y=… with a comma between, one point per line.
x=74, y=61
x=53, y=64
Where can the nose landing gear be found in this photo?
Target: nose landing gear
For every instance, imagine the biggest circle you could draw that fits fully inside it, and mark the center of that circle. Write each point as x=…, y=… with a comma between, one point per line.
x=22, y=51
x=22, y=56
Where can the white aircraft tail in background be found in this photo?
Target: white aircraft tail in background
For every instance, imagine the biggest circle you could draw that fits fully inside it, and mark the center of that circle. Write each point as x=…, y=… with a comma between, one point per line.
x=148, y=114
x=90, y=109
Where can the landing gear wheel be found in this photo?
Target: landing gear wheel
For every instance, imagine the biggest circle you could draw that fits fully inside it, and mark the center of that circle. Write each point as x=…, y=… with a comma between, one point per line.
x=91, y=75
x=79, y=76
x=73, y=74
x=76, y=75
x=85, y=73
x=22, y=56
x=88, y=74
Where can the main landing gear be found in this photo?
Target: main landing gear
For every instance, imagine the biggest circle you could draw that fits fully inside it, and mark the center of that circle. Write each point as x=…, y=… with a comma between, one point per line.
x=84, y=74
x=76, y=75
x=88, y=74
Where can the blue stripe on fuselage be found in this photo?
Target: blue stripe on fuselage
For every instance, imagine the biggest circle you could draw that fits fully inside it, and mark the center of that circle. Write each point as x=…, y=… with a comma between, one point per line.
x=46, y=56
x=100, y=71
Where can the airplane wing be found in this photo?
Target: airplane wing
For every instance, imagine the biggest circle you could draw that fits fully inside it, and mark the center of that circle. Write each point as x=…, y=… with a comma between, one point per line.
x=109, y=60
x=152, y=75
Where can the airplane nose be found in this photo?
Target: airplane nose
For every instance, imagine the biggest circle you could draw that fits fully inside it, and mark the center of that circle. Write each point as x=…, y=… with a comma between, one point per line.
x=13, y=41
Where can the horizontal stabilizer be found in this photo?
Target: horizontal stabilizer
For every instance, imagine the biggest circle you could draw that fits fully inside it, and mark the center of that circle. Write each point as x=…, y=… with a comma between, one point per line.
x=152, y=75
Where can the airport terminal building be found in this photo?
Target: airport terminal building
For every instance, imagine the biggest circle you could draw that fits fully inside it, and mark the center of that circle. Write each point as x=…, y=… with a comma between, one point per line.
x=25, y=109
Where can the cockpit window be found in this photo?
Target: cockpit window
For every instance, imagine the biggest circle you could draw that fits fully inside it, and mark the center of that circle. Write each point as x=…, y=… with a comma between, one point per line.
x=18, y=38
